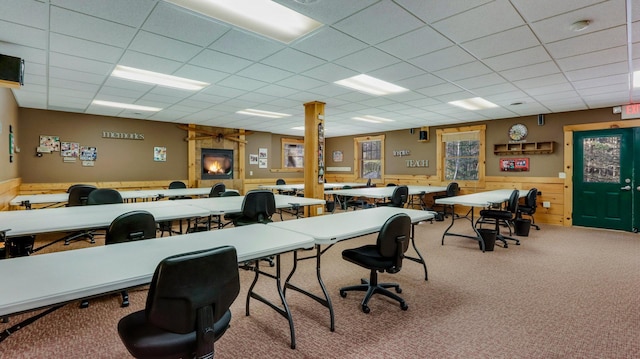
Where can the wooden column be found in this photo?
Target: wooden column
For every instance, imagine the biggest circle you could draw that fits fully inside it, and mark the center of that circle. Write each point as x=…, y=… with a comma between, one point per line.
x=191, y=150
x=314, y=156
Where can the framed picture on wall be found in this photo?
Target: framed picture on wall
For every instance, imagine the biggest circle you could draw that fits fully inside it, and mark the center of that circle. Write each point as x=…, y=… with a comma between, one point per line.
x=50, y=143
x=337, y=156
x=88, y=153
x=69, y=149
x=160, y=154
x=253, y=159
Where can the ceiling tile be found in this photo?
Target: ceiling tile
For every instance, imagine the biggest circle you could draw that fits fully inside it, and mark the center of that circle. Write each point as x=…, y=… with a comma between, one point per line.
x=84, y=48
x=148, y=62
x=28, y=13
x=200, y=74
x=292, y=60
x=531, y=71
x=22, y=35
x=436, y=10
x=329, y=44
x=253, y=47
x=442, y=59
x=592, y=59
x=379, y=22
x=124, y=12
x=471, y=69
x=161, y=46
x=300, y=82
x=330, y=72
x=541, y=9
x=501, y=43
x=516, y=59
x=596, y=41
x=367, y=60
x=397, y=72
x=484, y=20
x=264, y=73
x=90, y=28
x=219, y=61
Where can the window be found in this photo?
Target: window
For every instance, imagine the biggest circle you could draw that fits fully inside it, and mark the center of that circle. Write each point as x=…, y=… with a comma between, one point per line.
x=292, y=153
x=369, y=153
x=461, y=153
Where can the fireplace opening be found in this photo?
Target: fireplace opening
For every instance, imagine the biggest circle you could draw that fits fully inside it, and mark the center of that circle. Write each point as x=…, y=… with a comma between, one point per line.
x=217, y=163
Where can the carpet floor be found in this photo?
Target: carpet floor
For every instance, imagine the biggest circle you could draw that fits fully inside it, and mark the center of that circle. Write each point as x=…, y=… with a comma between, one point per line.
x=562, y=293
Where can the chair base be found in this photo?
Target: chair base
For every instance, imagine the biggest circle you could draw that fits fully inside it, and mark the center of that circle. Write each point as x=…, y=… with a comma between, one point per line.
x=371, y=287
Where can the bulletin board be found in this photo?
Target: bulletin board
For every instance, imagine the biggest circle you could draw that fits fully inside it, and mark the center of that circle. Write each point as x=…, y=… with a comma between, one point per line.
x=514, y=164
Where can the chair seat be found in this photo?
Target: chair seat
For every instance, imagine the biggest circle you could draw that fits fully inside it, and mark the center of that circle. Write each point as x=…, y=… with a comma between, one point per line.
x=497, y=214
x=526, y=209
x=368, y=256
x=144, y=340
x=243, y=221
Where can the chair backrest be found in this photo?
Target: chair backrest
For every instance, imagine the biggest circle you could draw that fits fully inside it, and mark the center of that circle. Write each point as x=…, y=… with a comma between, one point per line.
x=258, y=205
x=368, y=182
x=229, y=194
x=79, y=194
x=399, y=196
x=217, y=189
x=184, y=283
x=131, y=226
x=393, y=239
x=104, y=196
x=512, y=204
x=280, y=181
x=453, y=189
x=391, y=184
x=77, y=185
x=531, y=199
x=177, y=184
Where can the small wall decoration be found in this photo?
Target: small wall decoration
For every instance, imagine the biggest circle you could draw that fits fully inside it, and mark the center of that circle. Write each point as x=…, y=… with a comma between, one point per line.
x=160, y=154
x=123, y=135
x=514, y=164
x=11, y=144
x=50, y=143
x=262, y=153
x=88, y=154
x=88, y=163
x=262, y=163
x=400, y=153
x=338, y=156
x=253, y=159
x=69, y=149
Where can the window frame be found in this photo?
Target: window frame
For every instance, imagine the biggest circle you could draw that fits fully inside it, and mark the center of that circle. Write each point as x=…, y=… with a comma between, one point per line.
x=441, y=151
x=357, y=142
x=283, y=157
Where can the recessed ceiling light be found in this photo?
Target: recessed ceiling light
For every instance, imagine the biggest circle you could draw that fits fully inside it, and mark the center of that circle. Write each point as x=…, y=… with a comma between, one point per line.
x=127, y=106
x=252, y=112
x=370, y=85
x=580, y=25
x=372, y=119
x=156, y=78
x=476, y=103
x=264, y=17
x=301, y=128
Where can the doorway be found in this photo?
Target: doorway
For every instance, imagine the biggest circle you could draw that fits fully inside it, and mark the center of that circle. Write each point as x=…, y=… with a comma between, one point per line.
x=606, y=192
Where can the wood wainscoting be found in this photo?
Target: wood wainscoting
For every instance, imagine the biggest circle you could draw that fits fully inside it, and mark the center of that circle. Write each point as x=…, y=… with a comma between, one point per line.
x=8, y=190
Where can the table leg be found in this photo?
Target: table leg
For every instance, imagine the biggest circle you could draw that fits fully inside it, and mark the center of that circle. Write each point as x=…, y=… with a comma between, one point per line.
x=420, y=259
x=325, y=300
x=284, y=311
x=477, y=237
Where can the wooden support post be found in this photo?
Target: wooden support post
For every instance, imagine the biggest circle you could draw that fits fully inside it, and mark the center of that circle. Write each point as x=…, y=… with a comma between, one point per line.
x=314, y=160
x=191, y=150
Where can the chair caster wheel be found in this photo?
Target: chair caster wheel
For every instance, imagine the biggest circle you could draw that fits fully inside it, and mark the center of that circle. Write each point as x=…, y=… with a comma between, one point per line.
x=398, y=290
x=404, y=306
x=84, y=304
x=365, y=309
x=124, y=304
x=271, y=264
x=506, y=246
x=343, y=294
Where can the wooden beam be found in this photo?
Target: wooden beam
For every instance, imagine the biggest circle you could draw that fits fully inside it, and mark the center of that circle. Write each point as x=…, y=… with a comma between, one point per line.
x=314, y=148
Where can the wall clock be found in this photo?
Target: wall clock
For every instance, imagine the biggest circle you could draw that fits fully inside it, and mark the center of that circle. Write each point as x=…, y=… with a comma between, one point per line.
x=518, y=132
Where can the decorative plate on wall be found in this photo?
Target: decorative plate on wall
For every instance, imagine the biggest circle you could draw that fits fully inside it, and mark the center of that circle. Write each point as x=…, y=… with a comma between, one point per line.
x=518, y=132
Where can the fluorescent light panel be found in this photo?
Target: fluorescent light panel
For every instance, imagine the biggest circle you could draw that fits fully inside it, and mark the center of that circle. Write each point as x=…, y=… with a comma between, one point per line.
x=473, y=104
x=127, y=106
x=264, y=17
x=636, y=79
x=372, y=119
x=370, y=85
x=156, y=78
x=252, y=112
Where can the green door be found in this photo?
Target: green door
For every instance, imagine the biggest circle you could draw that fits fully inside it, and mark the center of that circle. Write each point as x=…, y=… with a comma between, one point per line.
x=603, y=183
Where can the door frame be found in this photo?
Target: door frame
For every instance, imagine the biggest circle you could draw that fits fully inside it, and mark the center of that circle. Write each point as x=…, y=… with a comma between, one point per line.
x=568, y=158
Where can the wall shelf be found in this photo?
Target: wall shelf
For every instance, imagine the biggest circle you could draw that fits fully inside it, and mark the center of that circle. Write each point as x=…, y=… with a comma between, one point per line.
x=521, y=148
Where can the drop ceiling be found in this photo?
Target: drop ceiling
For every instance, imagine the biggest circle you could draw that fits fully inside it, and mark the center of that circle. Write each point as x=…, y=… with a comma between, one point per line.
x=506, y=51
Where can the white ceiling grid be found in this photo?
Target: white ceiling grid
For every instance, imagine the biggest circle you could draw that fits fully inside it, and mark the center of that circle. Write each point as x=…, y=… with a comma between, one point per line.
x=507, y=51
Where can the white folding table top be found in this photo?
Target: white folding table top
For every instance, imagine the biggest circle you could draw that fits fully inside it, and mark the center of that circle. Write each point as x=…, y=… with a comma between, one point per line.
x=86, y=217
x=147, y=193
x=233, y=204
x=42, y=280
x=332, y=228
x=300, y=186
x=384, y=192
x=481, y=199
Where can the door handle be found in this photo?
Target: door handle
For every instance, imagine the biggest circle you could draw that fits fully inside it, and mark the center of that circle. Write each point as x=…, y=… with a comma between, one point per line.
x=626, y=188
x=638, y=188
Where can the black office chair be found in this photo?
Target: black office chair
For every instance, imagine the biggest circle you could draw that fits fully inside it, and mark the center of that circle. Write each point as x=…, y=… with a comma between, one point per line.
x=104, y=196
x=502, y=216
x=398, y=198
x=177, y=185
x=230, y=217
x=187, y=306
x=128, y=227
x=280, y=182
x=452, y=190
x=529, y=206
x=384, y=256
x=258, y=207
x=217, y=189
x=78, y=196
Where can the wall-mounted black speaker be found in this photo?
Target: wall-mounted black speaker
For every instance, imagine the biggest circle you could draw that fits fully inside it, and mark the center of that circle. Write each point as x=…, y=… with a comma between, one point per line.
x=424, y=135
x=540, y=120
x=11, y=71
x=412, y=131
